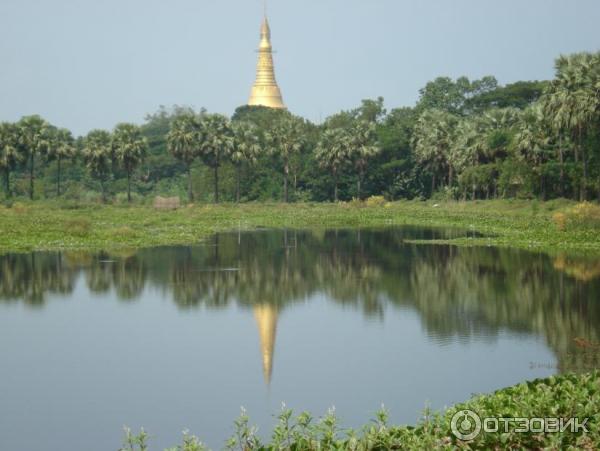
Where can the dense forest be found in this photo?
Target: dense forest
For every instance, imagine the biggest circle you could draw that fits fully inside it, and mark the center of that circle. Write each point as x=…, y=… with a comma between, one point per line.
x=464, y=139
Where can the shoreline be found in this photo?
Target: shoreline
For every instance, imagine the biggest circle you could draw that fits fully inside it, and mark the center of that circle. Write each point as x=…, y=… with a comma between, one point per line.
x=520, y=224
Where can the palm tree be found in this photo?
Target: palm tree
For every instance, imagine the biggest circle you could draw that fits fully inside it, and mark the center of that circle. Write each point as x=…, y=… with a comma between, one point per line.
x=467, y=147
x=216, y=144
x=532, y=140
x=285, y=139
x=183, y=141
x=62, y=145
x=432, y=139
x=9, y=152
x=130, y=148
x=498, y=125
x=97, y=153
x=34, y=138
x=246, y=149
x=573, y=102
x=333, y=152
x=363, y=148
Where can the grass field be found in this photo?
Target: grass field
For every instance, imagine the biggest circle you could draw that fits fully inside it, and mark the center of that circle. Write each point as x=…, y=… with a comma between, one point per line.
x=556, y=226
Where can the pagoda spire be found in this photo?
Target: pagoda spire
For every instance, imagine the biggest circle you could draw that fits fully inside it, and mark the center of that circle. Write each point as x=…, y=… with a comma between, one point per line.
x=265, y=91
x=266, y=320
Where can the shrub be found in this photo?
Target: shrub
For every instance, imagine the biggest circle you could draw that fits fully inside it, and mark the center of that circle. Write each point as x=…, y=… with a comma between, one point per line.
x=70, y=205
x=19, y=208
x=445, y=194
x=356, y=202
x=91, y=197
x=78, y=227
x=582, y=216
x=376, y=201
x=560, y=219
x=121, y=199
x=76, y=193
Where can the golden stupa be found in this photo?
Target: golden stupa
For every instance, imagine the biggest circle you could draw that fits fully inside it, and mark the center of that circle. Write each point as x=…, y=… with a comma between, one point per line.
x=265, y=91
x=266, y=319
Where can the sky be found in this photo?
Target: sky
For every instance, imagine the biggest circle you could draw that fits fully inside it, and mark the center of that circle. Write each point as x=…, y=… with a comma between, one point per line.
x=85, y=64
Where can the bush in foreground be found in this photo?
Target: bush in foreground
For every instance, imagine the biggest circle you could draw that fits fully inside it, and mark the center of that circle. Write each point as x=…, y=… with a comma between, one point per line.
x=559, y=397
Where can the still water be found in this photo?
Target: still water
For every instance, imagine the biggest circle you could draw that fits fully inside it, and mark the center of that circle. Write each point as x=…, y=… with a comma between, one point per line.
x=177, y=338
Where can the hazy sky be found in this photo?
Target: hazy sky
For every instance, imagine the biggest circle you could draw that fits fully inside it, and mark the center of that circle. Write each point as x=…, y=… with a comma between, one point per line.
x=89, y=64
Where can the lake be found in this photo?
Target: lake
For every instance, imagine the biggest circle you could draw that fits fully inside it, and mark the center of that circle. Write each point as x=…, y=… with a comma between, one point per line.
x=175, y=338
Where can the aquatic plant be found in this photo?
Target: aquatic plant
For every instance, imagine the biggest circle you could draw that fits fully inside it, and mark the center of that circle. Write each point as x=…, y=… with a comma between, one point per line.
x=560, y=397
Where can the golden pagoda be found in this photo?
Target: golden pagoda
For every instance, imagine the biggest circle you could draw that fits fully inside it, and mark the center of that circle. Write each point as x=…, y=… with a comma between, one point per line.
x=265, y=91
x=266, y=320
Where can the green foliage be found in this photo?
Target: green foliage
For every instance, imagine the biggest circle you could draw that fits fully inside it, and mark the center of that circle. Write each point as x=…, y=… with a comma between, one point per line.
x=451, y=96
x=34, y=138
x=129, y=148
x=284, y=140
x=561, y=397
x=133, y=442
x=375, y=201
x=333, y=152
x=10, y=153
x=97, y=154
x=517, y=95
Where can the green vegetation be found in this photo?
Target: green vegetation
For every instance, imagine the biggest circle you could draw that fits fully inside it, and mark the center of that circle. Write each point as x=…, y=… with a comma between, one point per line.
x=565, y=397
x=554, y=226
x=464, y=139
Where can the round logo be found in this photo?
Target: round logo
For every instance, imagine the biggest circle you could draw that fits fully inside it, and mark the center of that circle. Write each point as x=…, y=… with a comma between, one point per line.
x=466, y=425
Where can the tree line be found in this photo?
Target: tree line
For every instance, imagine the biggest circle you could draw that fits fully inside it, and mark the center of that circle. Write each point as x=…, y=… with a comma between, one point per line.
x=464, y=139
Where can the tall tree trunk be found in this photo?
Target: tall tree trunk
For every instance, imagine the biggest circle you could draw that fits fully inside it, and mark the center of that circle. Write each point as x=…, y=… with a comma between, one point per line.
x=433, y=184
x=237, y=183
x=58, y=177
x=103, y=191
x=31, y=168
x=189, y=180
x=295, y=186
x=585, y=174
x=450, y=175
x=128, y=186
x=216, y=171
x=543, y=186
x=335, y=188
x=286, y=171
x=575, y=184
x=361, y=176
x=561, y=158
x=7, y=182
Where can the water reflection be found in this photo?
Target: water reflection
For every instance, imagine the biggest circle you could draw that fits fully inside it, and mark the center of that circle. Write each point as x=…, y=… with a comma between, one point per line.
x=459, y=293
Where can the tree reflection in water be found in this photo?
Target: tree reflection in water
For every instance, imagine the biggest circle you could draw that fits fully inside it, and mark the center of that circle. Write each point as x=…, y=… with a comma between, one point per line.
x=459, y=293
